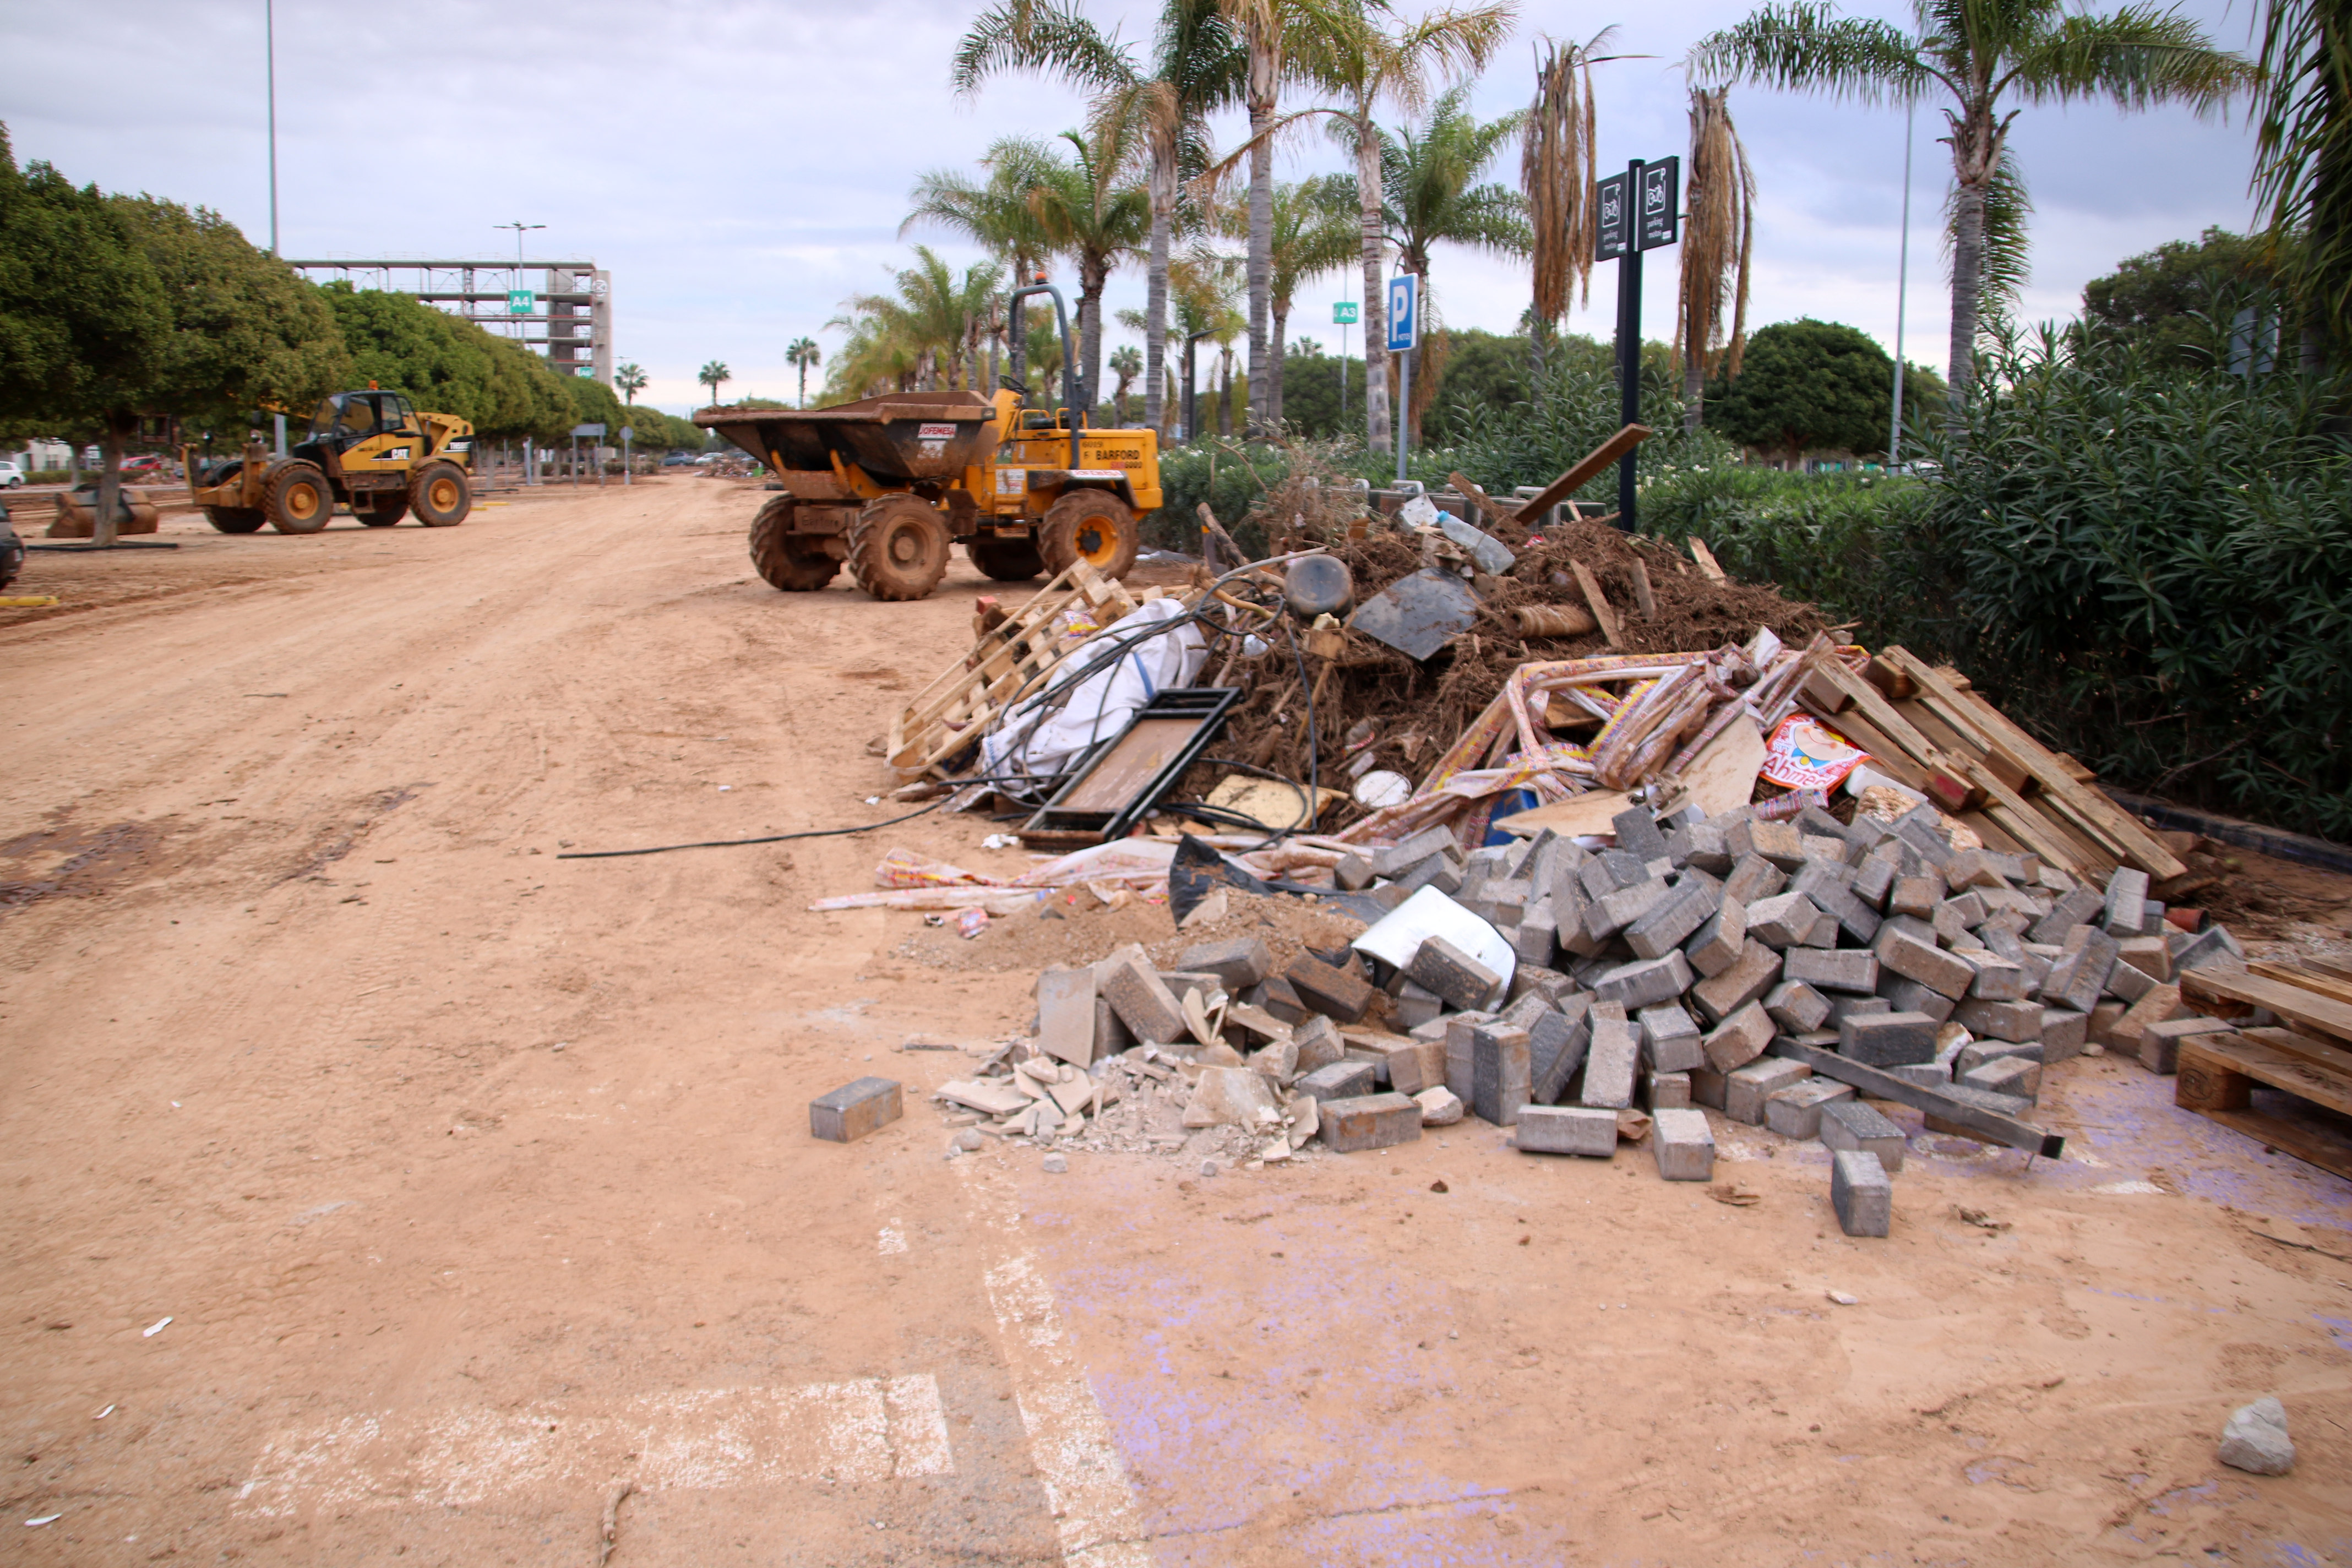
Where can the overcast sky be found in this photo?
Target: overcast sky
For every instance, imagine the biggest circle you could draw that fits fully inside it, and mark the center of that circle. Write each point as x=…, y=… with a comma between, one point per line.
x=742, y=166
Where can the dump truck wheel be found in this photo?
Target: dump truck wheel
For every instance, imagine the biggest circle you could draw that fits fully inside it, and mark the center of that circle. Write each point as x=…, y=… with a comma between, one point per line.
x=439, y=495
x=1093, y=526
x=796, y=565
x=300, y=500
x=1007, y=559
x=387, y=511
x=898, y=548
x=236, y=519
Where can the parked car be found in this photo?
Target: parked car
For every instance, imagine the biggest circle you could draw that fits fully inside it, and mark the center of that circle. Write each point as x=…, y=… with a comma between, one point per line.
x=144, y=463
x=679, y=460
x=11, y=475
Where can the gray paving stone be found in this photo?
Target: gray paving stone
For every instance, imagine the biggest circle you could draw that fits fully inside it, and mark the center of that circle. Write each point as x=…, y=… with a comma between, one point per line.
x=1861, y=1194
x=1744, y=1090
x=1846, y=969
x=1683, y=1145
x=1670, y=1038
x=1888, y=1040
x=1610, y=1063
x=1720, y=995
x=1568, y=1129
x=1852, y=1124
x=1796, y=1111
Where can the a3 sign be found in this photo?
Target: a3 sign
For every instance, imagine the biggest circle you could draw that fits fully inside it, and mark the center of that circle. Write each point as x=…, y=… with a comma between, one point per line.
x=1657, y=220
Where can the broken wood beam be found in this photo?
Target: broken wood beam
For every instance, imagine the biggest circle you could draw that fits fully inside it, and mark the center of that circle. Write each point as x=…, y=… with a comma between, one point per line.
x=1707, y=567
x=1596, y=598
x=1587, y=469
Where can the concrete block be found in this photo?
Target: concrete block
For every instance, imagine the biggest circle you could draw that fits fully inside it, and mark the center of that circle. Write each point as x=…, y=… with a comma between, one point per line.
x=1343, y=1080
x=1637, y=833
x=2063, y=1034
x=2006, y=1075
x=1065, y=1015
x=1796, y=1111
x=2152, y=955
x=1143, y=1003
x=1112, y=1037
x=1853, y=1125
x=1367, y=1121
x=1683, y=1145
x=2212, y=948
x=1700, y=846
x=851, y=1112
x=1849, y=969
x=1414, y=1065
x=1747, y=1088
x=2127, y=985
x=1429, y=841
x=1440, y=871
x=1844, y=1007
x=1782, y=843
x=1962, y=911
x=1612, y=912
x=1670, y=1038
x=2160, y=1003
x=1453, y=974
x=1674, y=917
x=1783, y=920
x=1874, y=880
x=1796, y=1007
x=1239, y=964
x=2072, y=908
x=1946, y=973
x=2017, y=1021
x=1610, y=1064
x=1646, y=981
x=1720, y=995
x=1537, y=939
x=1459, y=1054
x=1998, y=979
x=1338, y=993
x=2125, y=909
x=2159, y=1044
x=1415, y=1005
x=1524, y=1010
x=1739, y=1038
x=1716, y=944
x=1612, y=870
x=1860, y=1192
x=1915, y=896
x=1927, y=1074
x=1905, y=994
x=1707, y=1087
x=1666, y=1090
x=1568, y=1129
x=2101, y=1030
x=1888, y=1040
x=1752, y=878
x=1318, y=1043
x=1557, y=1043
x=1823, y=884
x=1501, y=1072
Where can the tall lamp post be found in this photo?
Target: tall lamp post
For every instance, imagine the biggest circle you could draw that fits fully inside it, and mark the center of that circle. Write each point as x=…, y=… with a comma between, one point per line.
x=1901, y=290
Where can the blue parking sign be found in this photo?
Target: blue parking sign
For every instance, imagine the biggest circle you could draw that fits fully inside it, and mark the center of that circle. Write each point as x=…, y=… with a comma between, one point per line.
x=1404, y=313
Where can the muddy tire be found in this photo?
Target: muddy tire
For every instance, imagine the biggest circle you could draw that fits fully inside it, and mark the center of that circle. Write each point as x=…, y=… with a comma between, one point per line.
x=387, y=511
x=300, y=500
x=439, y=495
x=1005, y=560
x=796, y=564
x=898, y=548
x=1093, y=525
x=236, y=519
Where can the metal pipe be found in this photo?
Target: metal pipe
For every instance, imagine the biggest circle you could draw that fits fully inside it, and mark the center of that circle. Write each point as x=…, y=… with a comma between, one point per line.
x=1069, y=358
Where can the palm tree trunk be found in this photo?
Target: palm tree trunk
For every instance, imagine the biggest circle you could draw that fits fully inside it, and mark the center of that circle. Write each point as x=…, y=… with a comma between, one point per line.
x=1155, y=287
x=1265, y=92
x=1694, y=390
x=110, y=488
x=1376, y=337
x=1968, y=282
x=1091, y=277
x=1226, y=392
x=1281, y=340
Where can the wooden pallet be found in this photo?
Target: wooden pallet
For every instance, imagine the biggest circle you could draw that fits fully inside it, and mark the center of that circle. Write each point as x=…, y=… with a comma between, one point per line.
x=1929, y=730
x=2228, y=995
x=2217, y=1079
x=1009, y=663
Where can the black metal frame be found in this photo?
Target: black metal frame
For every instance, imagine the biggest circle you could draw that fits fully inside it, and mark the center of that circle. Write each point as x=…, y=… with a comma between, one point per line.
x=1210, y=704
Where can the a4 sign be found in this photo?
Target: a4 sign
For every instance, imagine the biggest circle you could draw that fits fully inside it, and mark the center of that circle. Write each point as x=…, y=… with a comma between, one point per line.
x=1650, y=221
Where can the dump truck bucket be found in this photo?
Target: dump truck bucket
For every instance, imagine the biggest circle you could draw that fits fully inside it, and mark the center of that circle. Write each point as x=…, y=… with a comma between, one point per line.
x=899, y=437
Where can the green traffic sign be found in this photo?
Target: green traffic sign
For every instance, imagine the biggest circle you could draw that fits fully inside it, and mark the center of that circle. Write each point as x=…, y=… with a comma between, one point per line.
x=1343, y=314
x=520, y=302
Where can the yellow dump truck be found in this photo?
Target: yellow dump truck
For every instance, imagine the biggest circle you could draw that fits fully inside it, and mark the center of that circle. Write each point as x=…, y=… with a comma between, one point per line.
x=371, y=451
x=888, y=485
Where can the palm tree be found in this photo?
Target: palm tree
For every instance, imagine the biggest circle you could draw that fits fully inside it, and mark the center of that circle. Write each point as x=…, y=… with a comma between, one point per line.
x=1367, y=66
x=1196, y=67
x=631, y=380
x=1093, y=224
x=713, y=376
x=923, y=330
x=1985, y=54
x=1430, y=199
x=1126, y=364
x=993, y=213
x=2302, y=152
x=1315, y=232
x=802, y=352
x=1558, y=177
x=1718, y=242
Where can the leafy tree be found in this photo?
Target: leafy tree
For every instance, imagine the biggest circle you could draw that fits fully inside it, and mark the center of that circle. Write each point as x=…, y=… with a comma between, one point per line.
x=1094, y=222
x=448, y=363
x=2161, y=297
x=1126, y=364
x=1483, y=370
x=714, y=374
x=631, y=380
x=993, y=213
x=1987, y=55
x=1311, y=392
x=932, y=323
x=1807, y=386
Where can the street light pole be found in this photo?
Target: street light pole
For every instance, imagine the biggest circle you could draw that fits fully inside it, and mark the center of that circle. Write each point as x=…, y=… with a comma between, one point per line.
x=269, y=69
x=1902, y=292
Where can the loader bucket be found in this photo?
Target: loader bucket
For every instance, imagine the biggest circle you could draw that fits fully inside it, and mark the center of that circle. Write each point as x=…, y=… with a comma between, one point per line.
x=899, y=437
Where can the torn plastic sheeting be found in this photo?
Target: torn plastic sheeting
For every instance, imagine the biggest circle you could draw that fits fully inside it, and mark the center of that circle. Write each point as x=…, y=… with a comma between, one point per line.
x=1037, y=739
x=917, y=883
x=1396, y=940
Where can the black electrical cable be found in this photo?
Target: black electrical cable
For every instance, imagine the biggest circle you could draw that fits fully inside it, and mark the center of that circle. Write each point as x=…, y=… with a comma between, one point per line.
x=769, y=839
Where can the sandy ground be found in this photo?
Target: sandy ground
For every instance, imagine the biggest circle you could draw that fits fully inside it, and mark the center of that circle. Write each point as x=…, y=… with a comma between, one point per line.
x=476, y=1184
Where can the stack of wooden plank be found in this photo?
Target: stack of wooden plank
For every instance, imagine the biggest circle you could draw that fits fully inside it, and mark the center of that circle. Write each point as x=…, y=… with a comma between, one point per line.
x=2308, y=1053
x=1927, y=727
x=1010, y=660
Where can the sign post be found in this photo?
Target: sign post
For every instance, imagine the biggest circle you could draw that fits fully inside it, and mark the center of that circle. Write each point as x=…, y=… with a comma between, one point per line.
x=1343, y=316
x=593, y=433
x=1639, y=210
x=1405, y=336
x=626, y=431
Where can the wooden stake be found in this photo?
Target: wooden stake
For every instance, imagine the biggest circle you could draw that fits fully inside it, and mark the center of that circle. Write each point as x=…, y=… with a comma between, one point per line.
x=1641, y=595
x=1707, y=562
x=1599, y=601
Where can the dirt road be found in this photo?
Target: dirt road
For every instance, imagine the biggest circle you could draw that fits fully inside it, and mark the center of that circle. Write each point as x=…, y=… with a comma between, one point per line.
x=476, y=1185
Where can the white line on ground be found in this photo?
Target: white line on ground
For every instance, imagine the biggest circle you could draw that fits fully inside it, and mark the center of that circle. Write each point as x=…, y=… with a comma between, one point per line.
x=869, y=1429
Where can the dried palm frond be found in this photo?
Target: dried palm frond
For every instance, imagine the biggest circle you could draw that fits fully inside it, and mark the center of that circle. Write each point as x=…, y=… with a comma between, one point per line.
x=1557, y=171
x=1718, y=246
